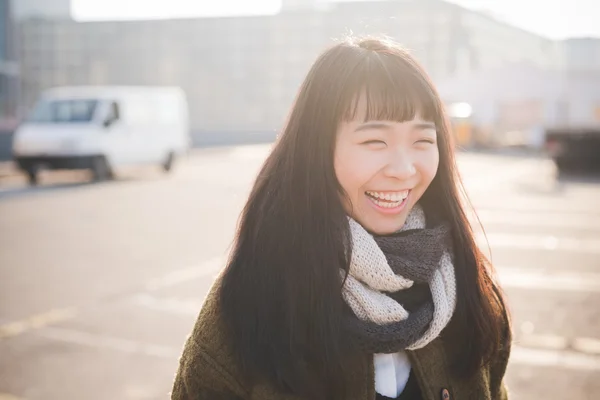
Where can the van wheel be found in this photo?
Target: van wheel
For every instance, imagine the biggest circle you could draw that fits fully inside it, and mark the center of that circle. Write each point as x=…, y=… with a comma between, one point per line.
x=167, y=165
x=100, y=169
x=33, y=176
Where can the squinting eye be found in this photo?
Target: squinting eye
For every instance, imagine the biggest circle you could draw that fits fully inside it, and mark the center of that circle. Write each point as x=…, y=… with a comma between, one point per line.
x=369, y=142
x=430, y=141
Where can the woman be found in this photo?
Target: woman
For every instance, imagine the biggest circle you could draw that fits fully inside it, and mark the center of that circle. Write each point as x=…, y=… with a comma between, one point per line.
x=355, y=274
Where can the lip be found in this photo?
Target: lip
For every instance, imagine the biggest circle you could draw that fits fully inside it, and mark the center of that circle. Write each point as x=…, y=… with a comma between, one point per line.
x=389, y=211
x=389, y=191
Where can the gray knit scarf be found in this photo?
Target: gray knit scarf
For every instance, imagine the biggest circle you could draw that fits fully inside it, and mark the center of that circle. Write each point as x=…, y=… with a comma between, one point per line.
x=401, y=288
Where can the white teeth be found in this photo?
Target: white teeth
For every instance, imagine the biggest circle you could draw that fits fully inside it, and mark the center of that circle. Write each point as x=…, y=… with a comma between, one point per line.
x=387, y=204
x=395, y=196
x=388, y=199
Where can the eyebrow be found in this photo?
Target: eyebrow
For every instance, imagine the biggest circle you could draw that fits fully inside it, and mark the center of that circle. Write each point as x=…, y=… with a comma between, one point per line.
x=384, y=125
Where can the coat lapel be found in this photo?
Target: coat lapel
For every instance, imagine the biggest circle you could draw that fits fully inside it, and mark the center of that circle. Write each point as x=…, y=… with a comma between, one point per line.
x=361, y=383
x=430, y=367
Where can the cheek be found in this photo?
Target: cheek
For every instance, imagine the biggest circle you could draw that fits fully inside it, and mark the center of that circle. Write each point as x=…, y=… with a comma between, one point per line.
x=428, y=166
x=353, y=169
x=345, y=172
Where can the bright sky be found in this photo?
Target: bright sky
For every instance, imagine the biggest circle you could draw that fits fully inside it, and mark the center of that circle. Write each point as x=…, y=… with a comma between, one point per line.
x=552, y=18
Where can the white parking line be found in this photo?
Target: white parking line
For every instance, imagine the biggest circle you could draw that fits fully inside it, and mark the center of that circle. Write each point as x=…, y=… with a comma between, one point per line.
x=36, y=321
x=528, y=278
x=586, y=345
x=540, y=242
x=169, y=304
x=108, y=342
x=554, y=358
x=589, y=346
x=488, y=180
x=176, y=277
x=539, y=220
x=252, y=152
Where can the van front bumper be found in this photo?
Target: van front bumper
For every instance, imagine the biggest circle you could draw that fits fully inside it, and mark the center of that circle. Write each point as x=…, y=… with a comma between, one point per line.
x=28, y=163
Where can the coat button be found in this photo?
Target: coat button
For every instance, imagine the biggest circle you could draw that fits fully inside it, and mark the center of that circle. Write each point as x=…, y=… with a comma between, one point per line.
x=445, y=394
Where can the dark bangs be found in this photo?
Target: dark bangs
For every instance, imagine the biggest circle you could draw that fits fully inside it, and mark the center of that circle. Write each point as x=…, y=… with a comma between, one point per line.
x=394, y=88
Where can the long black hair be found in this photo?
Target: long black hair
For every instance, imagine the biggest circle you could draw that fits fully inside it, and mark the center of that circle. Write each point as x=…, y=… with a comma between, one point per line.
x=280, y=295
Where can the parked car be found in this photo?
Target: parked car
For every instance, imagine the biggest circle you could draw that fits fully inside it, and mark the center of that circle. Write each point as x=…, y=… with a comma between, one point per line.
x=574, y=146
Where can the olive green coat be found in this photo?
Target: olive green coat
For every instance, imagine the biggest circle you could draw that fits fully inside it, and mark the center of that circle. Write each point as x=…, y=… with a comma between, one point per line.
x=207, y=370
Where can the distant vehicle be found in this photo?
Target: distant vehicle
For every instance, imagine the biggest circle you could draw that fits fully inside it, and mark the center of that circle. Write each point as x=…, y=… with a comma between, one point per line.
x=103, y=128
x=574, y=146
x=573, y=140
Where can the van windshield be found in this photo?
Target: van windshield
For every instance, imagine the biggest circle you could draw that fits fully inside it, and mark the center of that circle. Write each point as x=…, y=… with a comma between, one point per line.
x=63, y=111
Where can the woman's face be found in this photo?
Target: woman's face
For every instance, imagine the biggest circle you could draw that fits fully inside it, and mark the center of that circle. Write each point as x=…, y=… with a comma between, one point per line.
x=384, y=167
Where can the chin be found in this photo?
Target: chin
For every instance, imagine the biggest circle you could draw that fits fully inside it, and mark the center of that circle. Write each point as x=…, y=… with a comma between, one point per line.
x=384, y=227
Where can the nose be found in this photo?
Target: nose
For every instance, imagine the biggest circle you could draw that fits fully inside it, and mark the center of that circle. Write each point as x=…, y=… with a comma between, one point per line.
x=400, y=166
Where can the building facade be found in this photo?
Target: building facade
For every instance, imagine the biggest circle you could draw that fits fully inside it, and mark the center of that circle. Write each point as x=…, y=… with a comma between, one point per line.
x=55, y=9
x=242, y=73
x=581, y=54
x=515, y=104
x=8, y=68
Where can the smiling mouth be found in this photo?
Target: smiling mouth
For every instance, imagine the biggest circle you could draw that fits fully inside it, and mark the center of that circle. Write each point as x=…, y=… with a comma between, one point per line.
x=388, y=200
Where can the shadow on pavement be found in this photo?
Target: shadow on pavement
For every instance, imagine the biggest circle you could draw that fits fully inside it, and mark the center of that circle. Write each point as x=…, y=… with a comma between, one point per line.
x=76, y=182
x=14, y=192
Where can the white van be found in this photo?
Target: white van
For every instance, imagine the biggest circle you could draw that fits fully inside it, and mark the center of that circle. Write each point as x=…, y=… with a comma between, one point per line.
x=102, y=128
